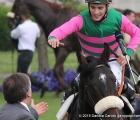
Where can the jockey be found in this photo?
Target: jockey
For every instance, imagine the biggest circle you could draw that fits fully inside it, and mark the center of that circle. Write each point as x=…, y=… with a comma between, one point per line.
x=97, y=26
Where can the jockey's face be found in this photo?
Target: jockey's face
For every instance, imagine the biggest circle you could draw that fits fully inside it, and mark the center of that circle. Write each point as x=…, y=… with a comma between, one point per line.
x=97, y=11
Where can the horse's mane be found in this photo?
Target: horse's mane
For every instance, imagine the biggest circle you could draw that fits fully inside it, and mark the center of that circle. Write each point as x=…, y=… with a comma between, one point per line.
x=43, y=5
x=54, y=6
x=92, y=63
x=16, y=3
x=87, y=64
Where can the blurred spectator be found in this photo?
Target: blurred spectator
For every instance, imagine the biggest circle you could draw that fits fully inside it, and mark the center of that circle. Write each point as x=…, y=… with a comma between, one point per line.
x=131, y=16
x=27, y=33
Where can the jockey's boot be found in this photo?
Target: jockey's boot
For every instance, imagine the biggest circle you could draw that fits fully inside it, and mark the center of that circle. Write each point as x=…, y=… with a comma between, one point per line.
x=73, y=88
x=131, y=94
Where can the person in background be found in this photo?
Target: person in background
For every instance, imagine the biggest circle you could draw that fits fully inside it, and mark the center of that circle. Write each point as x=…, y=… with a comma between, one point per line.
x=17, y=92
x=27, y=33
x=95, y=26
x=131, y=16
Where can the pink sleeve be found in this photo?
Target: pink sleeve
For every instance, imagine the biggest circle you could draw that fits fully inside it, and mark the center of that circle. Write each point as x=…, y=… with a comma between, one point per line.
x=133, y=31
x=73, y=25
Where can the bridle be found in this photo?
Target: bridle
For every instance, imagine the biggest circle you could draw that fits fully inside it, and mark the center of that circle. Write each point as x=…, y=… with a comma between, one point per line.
x=88, y=95
x=17, y=20
x=86, y=90
x=16, y=16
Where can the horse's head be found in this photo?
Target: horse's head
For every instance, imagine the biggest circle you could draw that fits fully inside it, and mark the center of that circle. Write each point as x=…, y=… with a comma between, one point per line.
x=96, y=76
x=97, y=82
x=14, y=17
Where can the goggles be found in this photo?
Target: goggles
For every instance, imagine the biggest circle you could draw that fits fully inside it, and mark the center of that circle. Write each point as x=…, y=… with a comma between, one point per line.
x=102, y=1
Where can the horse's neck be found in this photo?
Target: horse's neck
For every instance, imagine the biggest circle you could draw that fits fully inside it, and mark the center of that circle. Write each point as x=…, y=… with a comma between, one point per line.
x=42, y=12
x=40, y=8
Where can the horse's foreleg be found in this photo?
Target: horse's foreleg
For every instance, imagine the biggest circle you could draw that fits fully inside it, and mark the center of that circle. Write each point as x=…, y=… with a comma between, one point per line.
x=59, y=73
x=59, y=70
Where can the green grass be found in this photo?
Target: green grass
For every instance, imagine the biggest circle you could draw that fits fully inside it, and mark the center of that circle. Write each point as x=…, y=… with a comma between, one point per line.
x=7, y=65
x=1, y=80
x=54, y=103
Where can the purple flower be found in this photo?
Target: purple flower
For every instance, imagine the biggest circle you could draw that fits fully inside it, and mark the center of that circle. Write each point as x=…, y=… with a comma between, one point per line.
x=51, y=80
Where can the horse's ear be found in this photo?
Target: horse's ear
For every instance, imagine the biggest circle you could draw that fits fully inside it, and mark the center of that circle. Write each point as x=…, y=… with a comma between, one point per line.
x=106, y=53
x=81, y=58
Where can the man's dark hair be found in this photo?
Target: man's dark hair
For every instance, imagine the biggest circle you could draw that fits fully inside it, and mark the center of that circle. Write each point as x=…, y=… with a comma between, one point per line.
x=128, y=12
x=24, y=11
x=15, y=87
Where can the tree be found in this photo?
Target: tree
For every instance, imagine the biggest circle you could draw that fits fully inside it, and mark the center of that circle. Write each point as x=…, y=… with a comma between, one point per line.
x=42, y=52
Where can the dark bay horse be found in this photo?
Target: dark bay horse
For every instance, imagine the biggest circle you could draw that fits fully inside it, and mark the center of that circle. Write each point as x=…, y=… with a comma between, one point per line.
x=49, y=16
x=97, y=96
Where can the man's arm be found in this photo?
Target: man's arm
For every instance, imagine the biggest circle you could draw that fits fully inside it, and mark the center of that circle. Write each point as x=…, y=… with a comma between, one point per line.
x=73, y=25
x=26, y=117
x=134, y=32
x=15, y=33
x=34, y=112
x=38, y=31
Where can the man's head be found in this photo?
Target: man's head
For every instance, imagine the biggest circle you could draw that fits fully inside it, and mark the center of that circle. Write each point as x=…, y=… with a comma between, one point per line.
x=130, y=15
x=25, y=13
x=98, y=9
x=16, y=88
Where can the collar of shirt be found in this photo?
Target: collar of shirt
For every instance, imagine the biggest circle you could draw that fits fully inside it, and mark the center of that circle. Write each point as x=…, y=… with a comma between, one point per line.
x=27, y=21
x=25, y=105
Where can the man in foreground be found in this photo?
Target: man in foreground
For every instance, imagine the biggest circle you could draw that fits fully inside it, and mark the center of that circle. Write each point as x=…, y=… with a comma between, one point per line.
x=18, y=95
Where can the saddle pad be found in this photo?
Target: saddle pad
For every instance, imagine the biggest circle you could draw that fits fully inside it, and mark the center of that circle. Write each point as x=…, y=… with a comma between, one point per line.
x=63, y=110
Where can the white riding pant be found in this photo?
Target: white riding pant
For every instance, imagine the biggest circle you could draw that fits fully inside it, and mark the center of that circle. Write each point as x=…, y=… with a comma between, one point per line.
x=117, y=71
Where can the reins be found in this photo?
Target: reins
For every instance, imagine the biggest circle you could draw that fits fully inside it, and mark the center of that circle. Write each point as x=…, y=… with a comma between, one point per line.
x=123, y=71
x=86, y=91
x=122, y=82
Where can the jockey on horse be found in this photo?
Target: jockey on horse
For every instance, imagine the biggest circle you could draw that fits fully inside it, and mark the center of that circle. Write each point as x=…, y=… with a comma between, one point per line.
x=97, y=26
